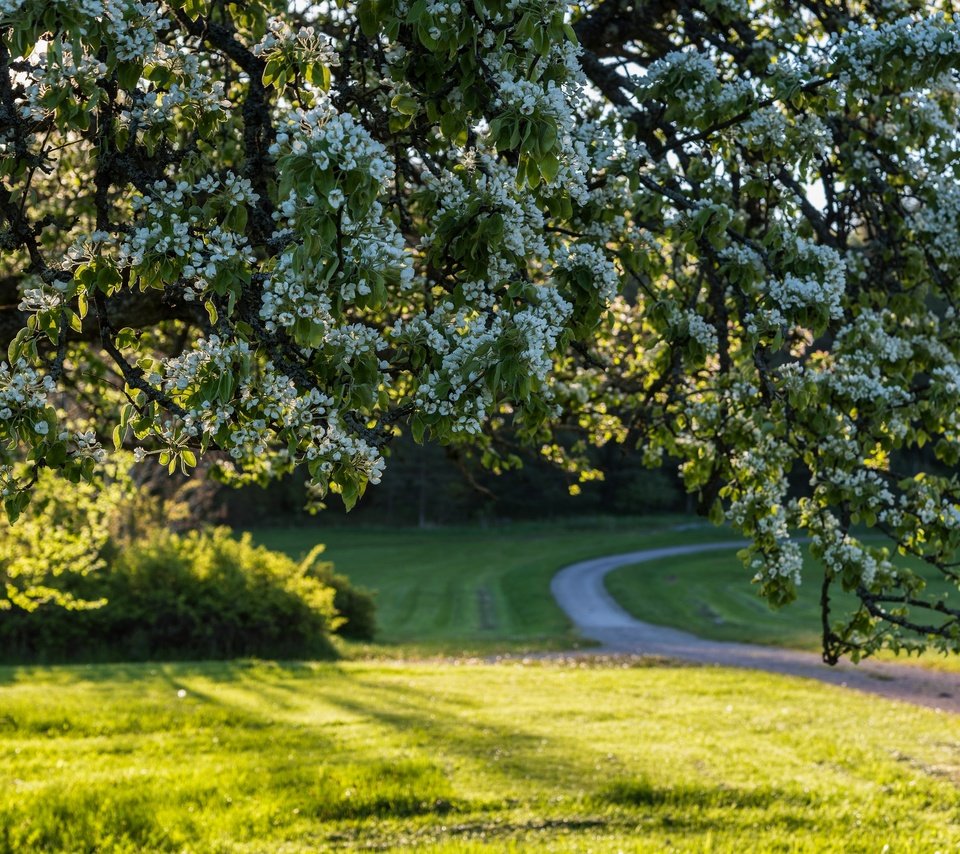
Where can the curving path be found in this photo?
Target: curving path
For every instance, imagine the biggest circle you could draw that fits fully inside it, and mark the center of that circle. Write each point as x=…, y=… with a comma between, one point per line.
x=580, y=592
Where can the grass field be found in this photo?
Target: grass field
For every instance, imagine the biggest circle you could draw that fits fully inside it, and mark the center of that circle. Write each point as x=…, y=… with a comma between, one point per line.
x=259, y=757
x=462, y=756
x=454, y=590
x=710, y=594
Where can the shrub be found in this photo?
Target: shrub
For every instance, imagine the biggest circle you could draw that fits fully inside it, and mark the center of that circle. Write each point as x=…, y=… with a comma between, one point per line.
x=354, y=605
x=96, y=576
x=203, y=594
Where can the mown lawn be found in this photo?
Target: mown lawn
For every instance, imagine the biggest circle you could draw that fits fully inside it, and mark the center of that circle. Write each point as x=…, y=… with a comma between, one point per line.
x=259, y=757
x=710, y=594
x=476, y=590
x=453, y=591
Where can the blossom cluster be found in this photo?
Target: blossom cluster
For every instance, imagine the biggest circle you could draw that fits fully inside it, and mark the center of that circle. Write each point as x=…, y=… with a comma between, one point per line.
x=363, y=247
x=255, y=410
x=916, y=41
x=303, y=43
x=23, y=394
x=822, y=287
x=171, y=228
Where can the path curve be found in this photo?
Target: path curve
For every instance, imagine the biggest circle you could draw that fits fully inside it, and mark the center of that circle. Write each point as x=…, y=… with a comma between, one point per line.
x=580, y=592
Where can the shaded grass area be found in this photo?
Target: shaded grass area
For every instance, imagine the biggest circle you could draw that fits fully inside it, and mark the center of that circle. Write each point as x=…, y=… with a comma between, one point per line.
x=482, y=591
x=710, y=595
x=254, y=756
x=475, y=590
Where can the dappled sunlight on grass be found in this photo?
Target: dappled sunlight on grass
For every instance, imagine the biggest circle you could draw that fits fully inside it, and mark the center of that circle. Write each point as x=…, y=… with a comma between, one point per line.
x=256, y=756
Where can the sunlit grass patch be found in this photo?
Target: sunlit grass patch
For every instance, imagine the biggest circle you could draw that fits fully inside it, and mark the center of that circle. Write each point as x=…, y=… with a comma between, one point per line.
x=547, y=756
x=79, y=816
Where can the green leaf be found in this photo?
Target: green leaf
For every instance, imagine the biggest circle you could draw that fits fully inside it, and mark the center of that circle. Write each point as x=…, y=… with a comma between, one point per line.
x=405, y=104
x=450, y=125
x=548, y=137
x=16, y=345
x=237, y=218
x=194, y=8
x=369, y=19
x=128, y=74
x=549, y=166
x=717, y=515
x=211, y=312
x=271, y=72
x=318, y=74
x=418, y=428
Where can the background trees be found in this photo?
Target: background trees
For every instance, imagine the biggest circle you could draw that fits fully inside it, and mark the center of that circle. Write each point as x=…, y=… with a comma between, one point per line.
x=724, y=231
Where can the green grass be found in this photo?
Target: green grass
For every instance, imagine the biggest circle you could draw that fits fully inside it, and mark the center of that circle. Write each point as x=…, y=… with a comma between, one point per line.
x=258, y=757
x=474, y=590
x=470, y=757
x=469, y=590
x=710, y=595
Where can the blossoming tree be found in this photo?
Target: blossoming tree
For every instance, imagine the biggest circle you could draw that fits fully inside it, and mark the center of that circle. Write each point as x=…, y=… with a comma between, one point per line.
x=727, y=230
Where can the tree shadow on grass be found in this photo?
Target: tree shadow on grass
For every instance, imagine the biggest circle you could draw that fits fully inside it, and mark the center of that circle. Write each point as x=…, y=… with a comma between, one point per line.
x=277, y=717
x=568, y=765
x=456, y=726
x=276, y=695
x=126, y=672
x=68, y=674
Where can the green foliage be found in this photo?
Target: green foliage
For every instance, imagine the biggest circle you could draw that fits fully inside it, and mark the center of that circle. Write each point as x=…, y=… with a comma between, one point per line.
x=354, y=606
x=258, y=203
x=70, y=531
x=203, y=594
x=116, y=583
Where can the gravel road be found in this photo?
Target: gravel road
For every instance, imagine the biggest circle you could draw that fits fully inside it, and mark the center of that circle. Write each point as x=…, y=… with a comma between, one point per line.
x=580, y=591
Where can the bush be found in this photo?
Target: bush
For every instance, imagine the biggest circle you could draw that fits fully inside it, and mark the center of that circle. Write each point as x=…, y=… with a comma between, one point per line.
x=202, y=594
x=106, y=583
x=354, y=605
